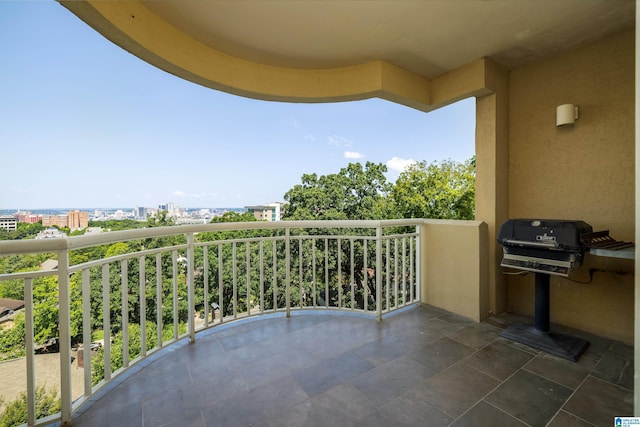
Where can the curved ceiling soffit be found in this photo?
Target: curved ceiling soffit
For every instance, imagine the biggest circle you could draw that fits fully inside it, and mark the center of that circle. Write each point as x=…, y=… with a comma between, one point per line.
x=133, y=27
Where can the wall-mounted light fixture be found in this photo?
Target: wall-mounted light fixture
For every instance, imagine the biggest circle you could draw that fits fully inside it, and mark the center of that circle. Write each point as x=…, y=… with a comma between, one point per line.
x=566, y=115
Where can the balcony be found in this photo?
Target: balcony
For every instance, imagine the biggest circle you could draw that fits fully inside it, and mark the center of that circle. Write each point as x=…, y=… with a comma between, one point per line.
x=295, y=323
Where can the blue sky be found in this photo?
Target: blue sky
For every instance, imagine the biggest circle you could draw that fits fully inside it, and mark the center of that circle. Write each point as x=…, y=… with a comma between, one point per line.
x=84, y=123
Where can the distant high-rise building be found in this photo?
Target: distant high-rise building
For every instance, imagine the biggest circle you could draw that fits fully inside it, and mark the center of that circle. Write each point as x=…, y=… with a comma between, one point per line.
x=9, y=222
x=141, y=213
x=77, y=219
x=28, y=217
x=57, y=220
x=170, y=208
x=268, y=212
x=73, y=220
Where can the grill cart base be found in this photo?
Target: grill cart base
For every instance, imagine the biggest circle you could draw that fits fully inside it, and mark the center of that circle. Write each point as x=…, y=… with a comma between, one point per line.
x=540, y=336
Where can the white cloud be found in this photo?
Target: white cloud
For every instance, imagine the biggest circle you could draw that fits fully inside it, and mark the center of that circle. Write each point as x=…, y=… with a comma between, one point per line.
x=293, y=122
x=339, y=141
x=397, y=165
x=309, y=138
x=353, y=155
x=179, y=193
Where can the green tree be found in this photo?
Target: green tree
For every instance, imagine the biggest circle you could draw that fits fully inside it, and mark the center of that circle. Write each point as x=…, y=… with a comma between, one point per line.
x=443, y=190
x=118, y=224
x=161, y=220
x=13, y=289
x=20, y=263
x=12, y=339
x=115, y=249
x=24, y=231
x=355, y=193
x=45, y=306
x=234, y=217
x=15, y=412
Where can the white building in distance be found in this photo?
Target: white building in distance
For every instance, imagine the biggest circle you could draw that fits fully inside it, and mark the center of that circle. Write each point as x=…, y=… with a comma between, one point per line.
x=268, y=212
x=9, y=222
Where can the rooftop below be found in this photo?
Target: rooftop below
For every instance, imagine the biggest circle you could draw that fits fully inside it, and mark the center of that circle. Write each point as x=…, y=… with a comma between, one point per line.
x=421, y=366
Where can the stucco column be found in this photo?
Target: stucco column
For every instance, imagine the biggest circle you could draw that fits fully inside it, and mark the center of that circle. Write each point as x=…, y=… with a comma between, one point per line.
x=492, y=163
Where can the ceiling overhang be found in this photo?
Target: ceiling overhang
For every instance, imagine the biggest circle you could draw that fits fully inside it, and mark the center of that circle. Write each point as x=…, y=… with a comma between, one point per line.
x=423, y=54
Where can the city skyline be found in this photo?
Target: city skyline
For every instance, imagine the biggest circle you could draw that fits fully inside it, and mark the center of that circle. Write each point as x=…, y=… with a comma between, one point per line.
x=78, y=219
x=44, y=211
x=85, y=123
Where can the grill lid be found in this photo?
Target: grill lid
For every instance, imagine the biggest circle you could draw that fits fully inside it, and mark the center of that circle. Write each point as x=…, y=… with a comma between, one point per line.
x=546, y=234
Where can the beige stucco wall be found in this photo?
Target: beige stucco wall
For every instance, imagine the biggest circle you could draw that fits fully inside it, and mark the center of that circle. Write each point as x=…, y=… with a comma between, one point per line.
x=585, y=172
x=492, y=184
x=455, y=268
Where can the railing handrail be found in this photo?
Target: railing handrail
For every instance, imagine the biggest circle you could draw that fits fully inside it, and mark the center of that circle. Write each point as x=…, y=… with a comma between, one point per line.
x=15, y=247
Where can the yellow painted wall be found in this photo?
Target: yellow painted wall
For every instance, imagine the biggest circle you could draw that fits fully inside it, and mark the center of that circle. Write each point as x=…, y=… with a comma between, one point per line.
x=585, y=172
x=454, y=271
x=492, y=179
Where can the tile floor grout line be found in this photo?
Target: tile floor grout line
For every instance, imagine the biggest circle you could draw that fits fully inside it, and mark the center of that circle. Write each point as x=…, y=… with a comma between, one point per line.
x=494, y=406
x=571, y=395
x=459, y=362
x=573, y=415
x=482, y=399
x=574, y=391
x=524, y=367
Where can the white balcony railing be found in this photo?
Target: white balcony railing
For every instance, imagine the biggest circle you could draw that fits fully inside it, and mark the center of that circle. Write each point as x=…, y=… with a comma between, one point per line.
x=147, y=288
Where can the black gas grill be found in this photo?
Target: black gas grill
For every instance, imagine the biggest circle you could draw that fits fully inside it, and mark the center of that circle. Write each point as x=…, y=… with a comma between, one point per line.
x=544, y=247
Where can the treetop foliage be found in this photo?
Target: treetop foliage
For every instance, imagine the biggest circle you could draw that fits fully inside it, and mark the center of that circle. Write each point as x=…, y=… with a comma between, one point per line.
x=355, y=193
x=15, y=413
x=24, y=231
x=234, y=217
x=444, y=190
x=117, y=224
x=161, y=220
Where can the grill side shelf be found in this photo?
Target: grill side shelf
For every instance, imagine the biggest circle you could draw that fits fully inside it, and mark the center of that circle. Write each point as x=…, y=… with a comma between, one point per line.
x=602, y=240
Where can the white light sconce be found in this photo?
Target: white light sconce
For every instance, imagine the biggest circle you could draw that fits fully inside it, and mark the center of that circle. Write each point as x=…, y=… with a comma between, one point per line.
x=566, y=115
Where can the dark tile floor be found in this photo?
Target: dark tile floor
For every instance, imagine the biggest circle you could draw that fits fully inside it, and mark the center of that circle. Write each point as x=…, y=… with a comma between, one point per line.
x=422, y=367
